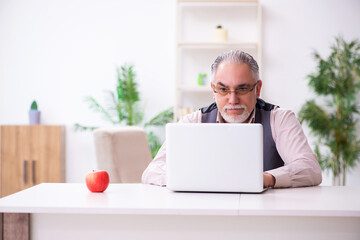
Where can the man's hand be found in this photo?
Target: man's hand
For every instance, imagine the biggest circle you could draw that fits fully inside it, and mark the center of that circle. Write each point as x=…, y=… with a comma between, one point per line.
x=269, y=180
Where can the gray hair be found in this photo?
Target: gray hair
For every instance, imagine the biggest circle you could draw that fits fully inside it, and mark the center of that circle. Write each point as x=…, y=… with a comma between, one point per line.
x=236, y=56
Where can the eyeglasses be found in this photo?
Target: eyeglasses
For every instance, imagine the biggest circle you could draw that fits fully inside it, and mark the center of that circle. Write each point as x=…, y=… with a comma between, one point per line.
x=240, y=90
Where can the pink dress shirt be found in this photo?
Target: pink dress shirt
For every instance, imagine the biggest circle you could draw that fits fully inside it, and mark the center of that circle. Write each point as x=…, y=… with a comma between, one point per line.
x=301, y=167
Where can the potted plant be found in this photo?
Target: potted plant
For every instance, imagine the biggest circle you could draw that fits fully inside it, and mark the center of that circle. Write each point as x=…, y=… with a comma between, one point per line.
x=34, y=114
x=337, y=80
x=124, y=108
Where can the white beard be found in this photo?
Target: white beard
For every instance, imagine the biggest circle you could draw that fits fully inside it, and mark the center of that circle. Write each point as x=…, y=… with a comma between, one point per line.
x=235, y=119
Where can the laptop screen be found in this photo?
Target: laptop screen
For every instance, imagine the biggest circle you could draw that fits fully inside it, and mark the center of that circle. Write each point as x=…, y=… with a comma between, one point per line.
x=214, y=157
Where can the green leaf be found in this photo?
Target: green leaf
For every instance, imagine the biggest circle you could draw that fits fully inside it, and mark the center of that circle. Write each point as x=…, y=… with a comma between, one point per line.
x=317, y=118
x=162, y=118
x=154, y=143
x=94, y=105
x=81, y=128
x=34, y=105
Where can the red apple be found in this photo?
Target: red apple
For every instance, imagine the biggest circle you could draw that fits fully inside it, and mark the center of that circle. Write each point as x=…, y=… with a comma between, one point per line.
x=97, y=180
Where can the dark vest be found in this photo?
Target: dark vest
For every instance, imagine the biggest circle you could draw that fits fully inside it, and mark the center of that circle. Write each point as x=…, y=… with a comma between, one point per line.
x=263, y=109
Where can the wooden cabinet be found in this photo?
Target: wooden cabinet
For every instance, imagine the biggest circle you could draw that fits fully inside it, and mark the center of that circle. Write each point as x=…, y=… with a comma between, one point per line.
x=30, y=155
x=197, y=44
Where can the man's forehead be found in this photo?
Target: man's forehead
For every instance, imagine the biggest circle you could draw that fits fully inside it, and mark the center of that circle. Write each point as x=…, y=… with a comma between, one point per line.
x=229, y=63
x=229, y=71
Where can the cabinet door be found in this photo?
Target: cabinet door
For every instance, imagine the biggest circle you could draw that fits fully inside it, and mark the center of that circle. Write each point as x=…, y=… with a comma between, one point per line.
x=15, y=154
x=46, y=154
x=30, y=155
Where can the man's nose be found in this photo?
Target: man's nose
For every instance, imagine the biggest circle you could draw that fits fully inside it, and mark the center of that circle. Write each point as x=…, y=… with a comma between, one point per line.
x=233, y=98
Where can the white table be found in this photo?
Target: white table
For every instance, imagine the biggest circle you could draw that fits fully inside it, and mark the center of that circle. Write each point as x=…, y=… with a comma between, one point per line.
x=137, y=211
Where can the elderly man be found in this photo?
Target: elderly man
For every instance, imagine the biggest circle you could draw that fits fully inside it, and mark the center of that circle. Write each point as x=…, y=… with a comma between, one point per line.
x=288, y=158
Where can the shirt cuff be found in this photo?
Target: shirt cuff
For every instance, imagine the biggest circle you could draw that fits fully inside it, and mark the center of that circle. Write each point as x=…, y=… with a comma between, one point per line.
x=282, y=178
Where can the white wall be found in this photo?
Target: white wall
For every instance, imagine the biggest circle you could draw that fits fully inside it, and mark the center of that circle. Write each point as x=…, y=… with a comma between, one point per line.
x=60, y=51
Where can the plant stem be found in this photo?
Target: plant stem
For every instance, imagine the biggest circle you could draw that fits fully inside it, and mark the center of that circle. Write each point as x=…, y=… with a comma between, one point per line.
x=344, y=174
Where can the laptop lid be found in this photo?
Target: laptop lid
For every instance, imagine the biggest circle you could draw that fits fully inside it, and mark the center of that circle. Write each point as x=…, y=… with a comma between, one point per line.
x=214, y=157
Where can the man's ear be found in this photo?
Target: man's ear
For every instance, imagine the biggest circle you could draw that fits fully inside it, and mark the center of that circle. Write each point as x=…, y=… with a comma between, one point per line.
x=258, y=89
x=212, y=88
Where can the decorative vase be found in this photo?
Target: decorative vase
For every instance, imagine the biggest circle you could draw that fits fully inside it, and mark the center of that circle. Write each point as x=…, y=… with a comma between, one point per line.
x=202, y=79
x=221, y=34
x=34, y=117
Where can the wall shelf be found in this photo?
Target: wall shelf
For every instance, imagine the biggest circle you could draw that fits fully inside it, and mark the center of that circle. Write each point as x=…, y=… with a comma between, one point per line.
x=217, y=45
x=197, y=47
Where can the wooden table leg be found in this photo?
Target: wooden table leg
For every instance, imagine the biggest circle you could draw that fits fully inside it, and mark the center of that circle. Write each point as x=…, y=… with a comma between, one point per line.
x=16, y=226
x=1, y=226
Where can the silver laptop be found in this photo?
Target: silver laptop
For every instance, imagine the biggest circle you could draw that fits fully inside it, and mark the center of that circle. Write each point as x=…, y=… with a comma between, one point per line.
x=214, y=157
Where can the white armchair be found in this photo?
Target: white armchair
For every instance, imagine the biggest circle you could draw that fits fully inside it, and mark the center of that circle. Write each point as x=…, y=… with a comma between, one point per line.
x=123, y=152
